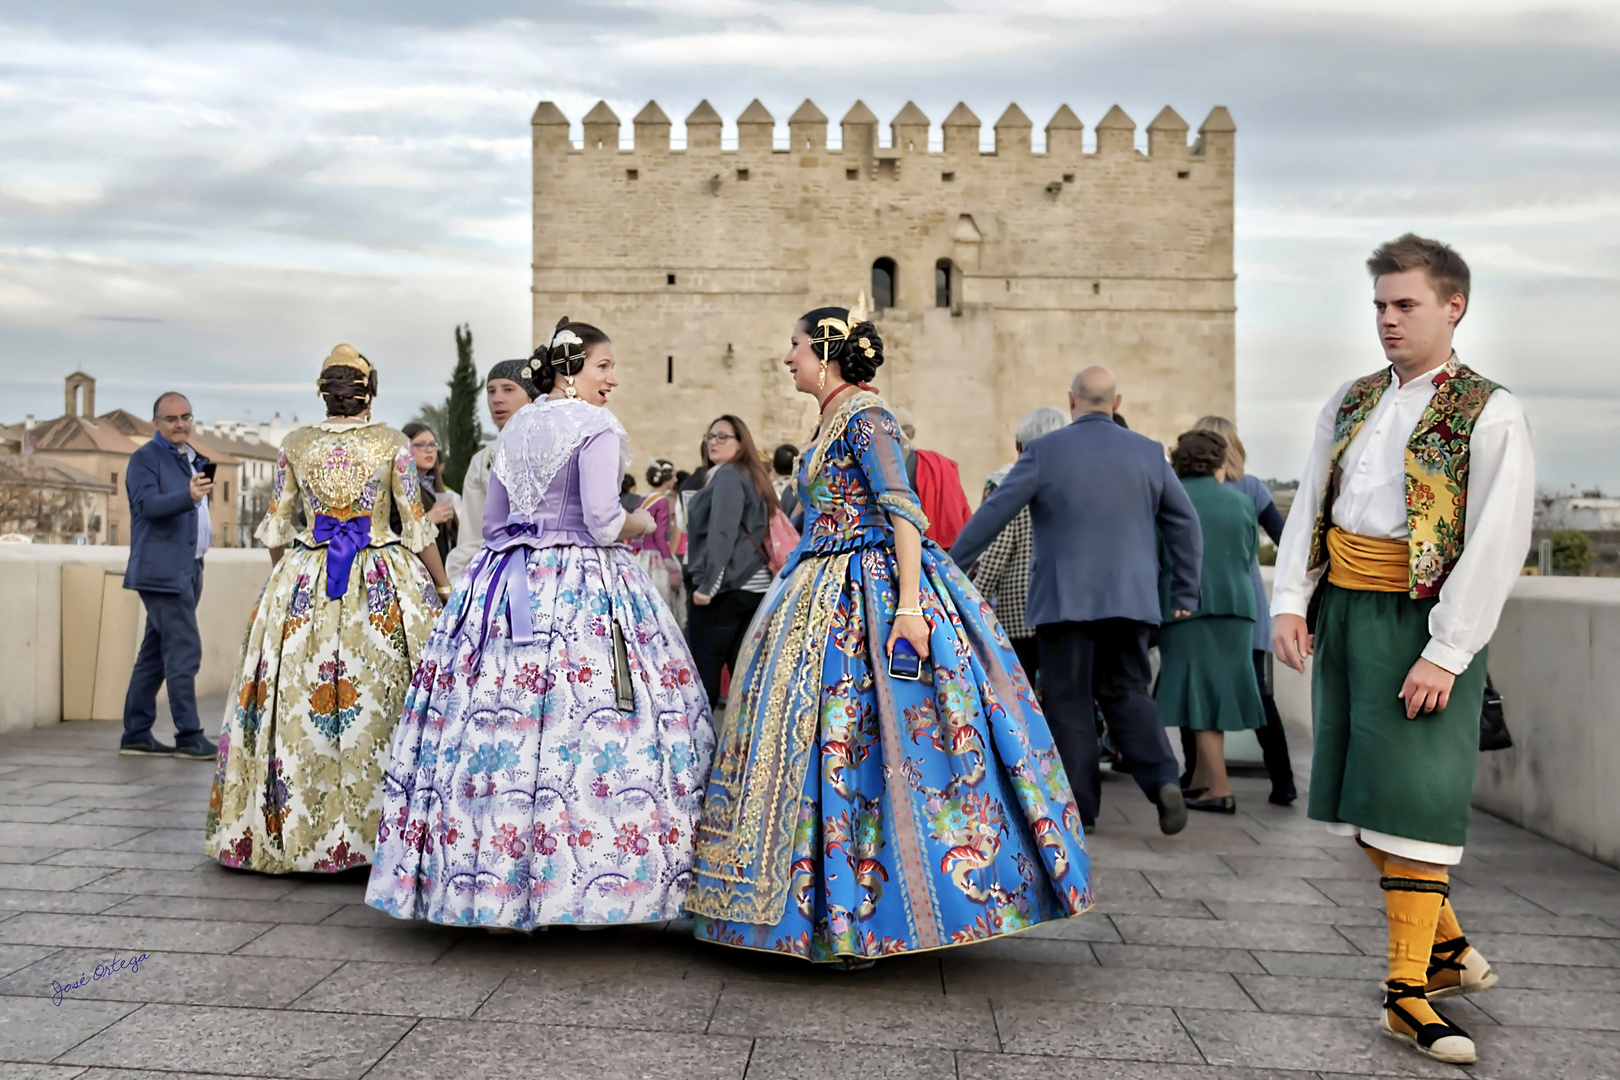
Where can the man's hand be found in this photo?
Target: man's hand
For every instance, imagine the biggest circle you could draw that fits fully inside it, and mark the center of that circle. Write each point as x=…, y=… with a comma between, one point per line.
x=1182, y=613
x=200, y=487
x=700, y=599
x=1291, y=642
x=1427, y=688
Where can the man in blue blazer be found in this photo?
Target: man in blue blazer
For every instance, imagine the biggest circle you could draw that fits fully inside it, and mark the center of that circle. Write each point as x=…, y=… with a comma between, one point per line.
x=1100, y=499
x=169, y=532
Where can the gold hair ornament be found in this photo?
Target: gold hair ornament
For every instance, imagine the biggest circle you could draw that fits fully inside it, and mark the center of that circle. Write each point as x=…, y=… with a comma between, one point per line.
x=346, y=356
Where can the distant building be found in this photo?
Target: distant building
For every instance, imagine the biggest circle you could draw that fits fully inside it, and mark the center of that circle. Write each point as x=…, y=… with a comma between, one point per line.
x=257, y=447
x=99, y=446
x=1588, y=513
x=45, y=502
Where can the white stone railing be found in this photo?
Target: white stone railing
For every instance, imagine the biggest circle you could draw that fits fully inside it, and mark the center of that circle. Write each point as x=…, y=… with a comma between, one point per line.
x=1556, y=661
x=46, y=674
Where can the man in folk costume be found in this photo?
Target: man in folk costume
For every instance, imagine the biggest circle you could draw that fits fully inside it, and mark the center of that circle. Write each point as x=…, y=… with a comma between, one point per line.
x=1416, y=504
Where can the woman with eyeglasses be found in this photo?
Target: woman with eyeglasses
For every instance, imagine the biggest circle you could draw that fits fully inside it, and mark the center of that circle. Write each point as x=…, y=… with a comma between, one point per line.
x=437, y=504
x=728, y=526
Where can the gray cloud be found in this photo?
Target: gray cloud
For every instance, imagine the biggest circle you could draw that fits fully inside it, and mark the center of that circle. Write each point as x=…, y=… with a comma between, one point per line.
x=217, y=193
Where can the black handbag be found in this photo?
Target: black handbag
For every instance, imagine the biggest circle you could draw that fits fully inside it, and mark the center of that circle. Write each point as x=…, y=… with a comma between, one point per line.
x=1493, y=729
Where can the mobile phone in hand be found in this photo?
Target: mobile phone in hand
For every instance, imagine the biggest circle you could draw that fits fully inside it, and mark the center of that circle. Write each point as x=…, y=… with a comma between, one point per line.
x=904, y=663
x=209, y=468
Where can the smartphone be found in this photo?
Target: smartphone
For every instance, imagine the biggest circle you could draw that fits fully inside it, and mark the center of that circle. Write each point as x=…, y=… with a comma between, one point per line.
x=209, y=469
x=904, y=663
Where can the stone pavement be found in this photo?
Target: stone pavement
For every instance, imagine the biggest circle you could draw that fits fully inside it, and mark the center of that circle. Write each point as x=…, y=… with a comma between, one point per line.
x=1245, y=949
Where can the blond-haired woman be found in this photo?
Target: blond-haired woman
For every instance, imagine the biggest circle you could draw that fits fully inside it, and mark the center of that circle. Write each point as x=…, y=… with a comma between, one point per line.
x=1272, y=738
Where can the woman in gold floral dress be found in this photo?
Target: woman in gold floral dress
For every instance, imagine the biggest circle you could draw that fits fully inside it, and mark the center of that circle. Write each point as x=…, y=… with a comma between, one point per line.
x=331, y=646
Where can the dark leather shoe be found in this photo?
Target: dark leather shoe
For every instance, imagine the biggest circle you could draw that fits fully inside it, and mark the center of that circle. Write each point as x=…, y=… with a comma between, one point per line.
x=201, y=749
x=1226, y=804
x=1172, y=810
x=147, y=747
x=1282, y=798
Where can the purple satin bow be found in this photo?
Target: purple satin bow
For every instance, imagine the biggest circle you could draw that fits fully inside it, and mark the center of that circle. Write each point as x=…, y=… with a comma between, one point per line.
x=508, y=575
x=343, y=540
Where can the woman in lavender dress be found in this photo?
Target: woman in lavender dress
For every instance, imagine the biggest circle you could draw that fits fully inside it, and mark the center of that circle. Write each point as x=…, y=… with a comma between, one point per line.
x=556, y=740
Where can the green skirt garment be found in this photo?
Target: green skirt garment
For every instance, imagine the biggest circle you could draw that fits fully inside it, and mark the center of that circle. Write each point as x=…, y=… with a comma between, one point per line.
x=1373, y=767
x=1206, y=674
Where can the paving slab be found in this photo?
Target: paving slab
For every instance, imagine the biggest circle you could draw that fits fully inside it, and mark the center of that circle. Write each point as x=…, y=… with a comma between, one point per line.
x=1076, y=1029
x=243, y=1042
x=409, y=946
x=1224, y=934
x=193, y=907
x=620, y=1000
x=1270, y=1041
x=832, y=1015
x=1515, y=1053
x=127, y=860
x=402, y=990
x=438, y=1049
x=794, y=1059
x=1009, y=983
x=177, y=978
x=34, y=1029
x=1175, y=958
x=129, y=932
x=1024, y=1067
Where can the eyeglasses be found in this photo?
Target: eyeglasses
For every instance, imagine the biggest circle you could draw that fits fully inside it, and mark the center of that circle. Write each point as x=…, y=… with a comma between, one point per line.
x=425, y=445
x=717, y=436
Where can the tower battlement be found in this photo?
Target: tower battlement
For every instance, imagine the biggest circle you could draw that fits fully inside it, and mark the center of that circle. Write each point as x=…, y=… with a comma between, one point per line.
x=998, y=272
x=808, y=131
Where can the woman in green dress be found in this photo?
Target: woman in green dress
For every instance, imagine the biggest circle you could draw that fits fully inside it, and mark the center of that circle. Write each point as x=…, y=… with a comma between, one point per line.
x=1206, y=677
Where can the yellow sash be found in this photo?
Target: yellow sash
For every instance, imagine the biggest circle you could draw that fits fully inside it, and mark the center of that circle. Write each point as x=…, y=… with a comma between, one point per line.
x=1367, y=564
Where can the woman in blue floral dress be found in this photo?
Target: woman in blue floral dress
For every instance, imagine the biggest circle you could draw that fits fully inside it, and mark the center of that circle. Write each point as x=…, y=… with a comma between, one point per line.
x=851, y=814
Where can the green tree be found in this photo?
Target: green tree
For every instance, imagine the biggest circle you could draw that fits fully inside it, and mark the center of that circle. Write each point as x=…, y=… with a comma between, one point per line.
x=463, y=432
x=1572, y=550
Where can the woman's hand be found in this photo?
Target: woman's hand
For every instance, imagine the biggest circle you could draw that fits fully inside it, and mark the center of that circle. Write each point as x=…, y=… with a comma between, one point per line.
x=914, y=628
x=637, y=523
x=441, y=513
x=675, y=580
x=700, y=599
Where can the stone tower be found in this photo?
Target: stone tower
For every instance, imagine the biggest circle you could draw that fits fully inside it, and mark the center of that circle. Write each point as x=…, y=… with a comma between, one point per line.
x=1004, y=272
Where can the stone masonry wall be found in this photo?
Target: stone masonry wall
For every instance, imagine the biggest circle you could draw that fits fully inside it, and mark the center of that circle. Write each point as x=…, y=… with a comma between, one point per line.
x=697, y=262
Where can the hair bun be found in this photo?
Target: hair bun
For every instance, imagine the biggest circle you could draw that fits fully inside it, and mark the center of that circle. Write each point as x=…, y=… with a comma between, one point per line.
x=862, y=353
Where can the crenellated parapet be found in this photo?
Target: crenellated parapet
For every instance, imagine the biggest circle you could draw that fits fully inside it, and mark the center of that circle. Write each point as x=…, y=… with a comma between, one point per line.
x=1115, y=133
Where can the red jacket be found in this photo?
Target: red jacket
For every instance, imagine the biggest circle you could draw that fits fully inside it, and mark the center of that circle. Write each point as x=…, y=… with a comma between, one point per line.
x=939, y=489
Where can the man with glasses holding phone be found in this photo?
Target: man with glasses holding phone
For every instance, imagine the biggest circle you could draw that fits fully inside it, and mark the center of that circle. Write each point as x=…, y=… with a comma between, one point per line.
x=169, y=485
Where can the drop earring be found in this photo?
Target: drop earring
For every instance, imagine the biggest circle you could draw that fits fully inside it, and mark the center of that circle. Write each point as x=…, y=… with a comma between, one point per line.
x=821, y=380
x=569, y=390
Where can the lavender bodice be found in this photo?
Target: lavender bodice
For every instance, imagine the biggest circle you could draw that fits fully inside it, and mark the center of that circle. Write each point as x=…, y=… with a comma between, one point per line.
x=580, y=506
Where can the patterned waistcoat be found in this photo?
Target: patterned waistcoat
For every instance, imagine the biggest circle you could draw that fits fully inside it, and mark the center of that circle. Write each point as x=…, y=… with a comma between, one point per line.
x=1436, y=469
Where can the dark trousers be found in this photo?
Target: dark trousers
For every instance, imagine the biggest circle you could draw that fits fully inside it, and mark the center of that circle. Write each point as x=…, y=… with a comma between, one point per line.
x=171, y=652
x=715, y=632
x=1272, y=738
x=1029, y=657
x=1105, y=661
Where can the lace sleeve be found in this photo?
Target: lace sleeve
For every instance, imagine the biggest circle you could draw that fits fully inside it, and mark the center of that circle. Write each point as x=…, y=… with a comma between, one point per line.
x=276, y=530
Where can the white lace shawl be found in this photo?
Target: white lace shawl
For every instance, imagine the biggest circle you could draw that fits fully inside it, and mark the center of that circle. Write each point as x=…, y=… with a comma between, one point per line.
x=539, y=441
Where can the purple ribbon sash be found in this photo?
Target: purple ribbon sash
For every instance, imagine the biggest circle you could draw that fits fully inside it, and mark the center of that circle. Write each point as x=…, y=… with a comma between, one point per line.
x=509, y=580
x=343, y=540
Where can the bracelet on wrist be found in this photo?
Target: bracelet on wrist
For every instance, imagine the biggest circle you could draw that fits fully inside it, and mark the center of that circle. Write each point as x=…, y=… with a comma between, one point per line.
x=917, y=611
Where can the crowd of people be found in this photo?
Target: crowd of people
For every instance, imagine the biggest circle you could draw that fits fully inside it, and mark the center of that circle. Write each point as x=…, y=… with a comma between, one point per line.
x=811, y=700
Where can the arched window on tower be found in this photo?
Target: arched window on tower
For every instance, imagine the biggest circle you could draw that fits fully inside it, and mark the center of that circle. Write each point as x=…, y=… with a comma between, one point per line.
x=883, y=274
x=944, y=283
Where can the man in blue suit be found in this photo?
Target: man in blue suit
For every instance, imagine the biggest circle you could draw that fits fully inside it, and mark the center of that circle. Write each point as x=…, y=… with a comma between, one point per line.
x=169, y=532
x=1100, y=499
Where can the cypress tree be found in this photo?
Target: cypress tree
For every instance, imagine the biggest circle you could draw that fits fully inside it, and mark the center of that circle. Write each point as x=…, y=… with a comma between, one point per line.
x=463, y=432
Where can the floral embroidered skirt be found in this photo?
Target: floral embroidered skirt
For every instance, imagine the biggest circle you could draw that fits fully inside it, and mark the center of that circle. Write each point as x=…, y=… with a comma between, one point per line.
x=519, y=795
x=298, y=785
x=852, y=815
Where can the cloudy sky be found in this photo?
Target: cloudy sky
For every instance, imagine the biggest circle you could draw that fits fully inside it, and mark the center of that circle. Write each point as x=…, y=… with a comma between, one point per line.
x=205, y=195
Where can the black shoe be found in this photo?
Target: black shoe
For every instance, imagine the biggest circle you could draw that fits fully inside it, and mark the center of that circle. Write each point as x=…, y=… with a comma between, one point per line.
x=1225, y=804
x=200, y=749
x=147, y=747
x=1282, y=798
x=1089, y=827
x=1172, y=810
x=1192, y=792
